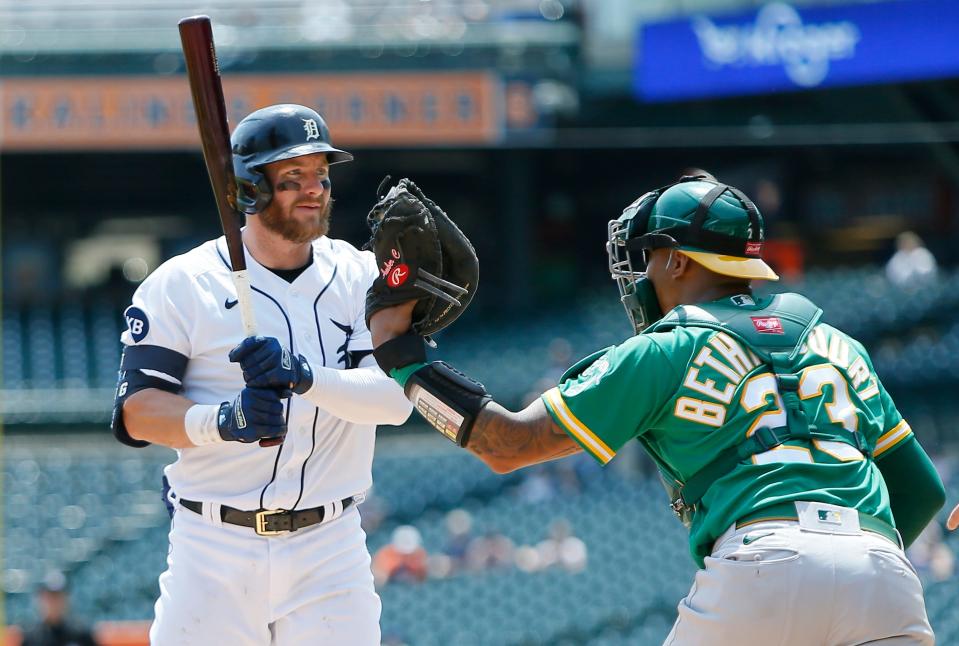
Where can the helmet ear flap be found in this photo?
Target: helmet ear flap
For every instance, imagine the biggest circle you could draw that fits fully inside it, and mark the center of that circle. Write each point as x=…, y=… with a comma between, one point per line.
x=264, y=193
x=254, y=192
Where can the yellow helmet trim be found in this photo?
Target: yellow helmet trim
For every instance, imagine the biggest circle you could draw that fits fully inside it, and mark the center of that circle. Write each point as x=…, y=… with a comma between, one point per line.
x=754, y=268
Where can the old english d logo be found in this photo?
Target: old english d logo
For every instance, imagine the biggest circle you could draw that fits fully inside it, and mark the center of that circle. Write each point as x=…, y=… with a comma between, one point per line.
x=312, y=132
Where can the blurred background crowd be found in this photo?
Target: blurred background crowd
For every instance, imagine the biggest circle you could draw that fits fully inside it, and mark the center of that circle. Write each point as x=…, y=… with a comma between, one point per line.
x=533, y=123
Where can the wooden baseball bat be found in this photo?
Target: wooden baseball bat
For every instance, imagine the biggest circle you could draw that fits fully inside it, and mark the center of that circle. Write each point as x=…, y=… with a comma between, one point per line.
x=196, y=36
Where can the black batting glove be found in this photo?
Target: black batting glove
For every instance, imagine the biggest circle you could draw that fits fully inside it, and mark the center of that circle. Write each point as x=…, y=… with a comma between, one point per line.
x=267, y=364
x=256, y=414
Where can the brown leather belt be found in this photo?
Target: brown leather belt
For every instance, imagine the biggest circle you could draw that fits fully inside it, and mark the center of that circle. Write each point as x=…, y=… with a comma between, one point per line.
x=269, y=522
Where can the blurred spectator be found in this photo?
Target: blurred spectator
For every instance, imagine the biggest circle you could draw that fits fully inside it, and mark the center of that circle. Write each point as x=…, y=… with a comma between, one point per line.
x=29, y=271
x=769, y=198
x=561, y=549
x=536, y=487
x=562, y=478
x=459, y=533
x=452, y=558
x=912, y=264
x=490, y=551
x=403, y=559
x=55, y=629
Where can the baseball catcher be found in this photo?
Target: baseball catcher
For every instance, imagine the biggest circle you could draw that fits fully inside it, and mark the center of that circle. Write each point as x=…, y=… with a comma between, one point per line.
x=780, y=448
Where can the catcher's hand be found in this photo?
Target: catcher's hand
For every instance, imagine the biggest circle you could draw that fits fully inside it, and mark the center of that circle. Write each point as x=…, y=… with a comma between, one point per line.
x=421, y=255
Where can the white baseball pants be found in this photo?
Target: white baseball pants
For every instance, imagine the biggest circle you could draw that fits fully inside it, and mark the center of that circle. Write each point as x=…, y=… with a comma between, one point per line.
x=226, y=585
x=776, y=583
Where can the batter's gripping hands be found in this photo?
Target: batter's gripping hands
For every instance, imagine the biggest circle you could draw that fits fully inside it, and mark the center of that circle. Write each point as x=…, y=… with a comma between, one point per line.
x=256, y=414
x=267, y=364
x=422, y=255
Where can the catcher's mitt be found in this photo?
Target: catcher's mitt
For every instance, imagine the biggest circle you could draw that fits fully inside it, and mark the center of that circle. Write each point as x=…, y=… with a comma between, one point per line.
x=422, y=255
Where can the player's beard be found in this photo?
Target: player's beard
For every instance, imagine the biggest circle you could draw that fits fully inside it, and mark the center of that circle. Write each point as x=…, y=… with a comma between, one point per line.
x=288, y=227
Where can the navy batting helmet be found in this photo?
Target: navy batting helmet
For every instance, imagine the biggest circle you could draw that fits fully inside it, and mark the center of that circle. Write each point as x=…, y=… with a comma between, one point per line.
x=270, y=134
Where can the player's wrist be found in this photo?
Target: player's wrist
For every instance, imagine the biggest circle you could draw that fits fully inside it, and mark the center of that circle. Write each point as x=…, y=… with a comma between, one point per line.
x=402, y=375
x=304, y=372
x=391, y=322
x=200, y=423
x=400, y=352
x=314, y=393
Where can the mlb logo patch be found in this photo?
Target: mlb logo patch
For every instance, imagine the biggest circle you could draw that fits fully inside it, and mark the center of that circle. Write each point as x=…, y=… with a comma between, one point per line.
x=767, y=324
x=830, y=516
x=754, y=248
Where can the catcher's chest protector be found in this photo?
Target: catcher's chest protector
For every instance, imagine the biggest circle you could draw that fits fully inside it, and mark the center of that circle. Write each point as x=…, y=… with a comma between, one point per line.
x=775, y=329
x=777, y=324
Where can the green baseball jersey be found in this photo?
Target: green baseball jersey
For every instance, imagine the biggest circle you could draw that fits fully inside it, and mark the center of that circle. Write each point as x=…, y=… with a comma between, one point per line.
x=689, y=393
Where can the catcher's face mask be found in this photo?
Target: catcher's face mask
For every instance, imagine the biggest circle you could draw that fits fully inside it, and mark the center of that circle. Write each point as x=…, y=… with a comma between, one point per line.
x=725, y=236
x=627, y=264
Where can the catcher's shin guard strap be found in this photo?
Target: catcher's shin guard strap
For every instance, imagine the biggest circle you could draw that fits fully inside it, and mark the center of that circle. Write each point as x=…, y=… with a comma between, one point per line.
x=400, y=351
x=445, y=397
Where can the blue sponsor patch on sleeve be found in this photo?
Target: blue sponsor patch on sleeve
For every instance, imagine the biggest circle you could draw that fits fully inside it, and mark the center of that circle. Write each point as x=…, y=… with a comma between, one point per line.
x=137, y=323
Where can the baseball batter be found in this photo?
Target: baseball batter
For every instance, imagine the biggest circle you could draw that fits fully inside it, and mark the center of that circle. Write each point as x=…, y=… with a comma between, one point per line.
x=266, y=545
x=778, y=445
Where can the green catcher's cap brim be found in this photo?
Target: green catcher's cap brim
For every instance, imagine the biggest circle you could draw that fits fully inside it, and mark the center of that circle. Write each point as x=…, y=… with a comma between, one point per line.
x=753, y=268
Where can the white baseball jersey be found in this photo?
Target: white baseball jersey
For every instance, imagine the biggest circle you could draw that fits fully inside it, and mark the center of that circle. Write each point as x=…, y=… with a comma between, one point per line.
x=188, y=305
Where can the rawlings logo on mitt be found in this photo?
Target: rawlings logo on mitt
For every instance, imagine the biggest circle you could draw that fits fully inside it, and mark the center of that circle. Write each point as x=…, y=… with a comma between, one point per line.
x=421, y=255
x=394, y=274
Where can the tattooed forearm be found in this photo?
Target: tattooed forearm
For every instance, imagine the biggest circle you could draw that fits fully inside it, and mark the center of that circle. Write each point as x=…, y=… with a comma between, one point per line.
x=508, y=441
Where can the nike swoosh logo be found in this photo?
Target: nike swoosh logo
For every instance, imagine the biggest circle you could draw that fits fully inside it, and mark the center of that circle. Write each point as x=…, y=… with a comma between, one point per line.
x=230, y=304
x=747, y=539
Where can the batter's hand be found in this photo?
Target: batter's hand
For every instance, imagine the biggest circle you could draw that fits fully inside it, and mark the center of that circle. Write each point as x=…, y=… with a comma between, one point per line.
x=953, y=521
x=256, y=414
x=267, y=364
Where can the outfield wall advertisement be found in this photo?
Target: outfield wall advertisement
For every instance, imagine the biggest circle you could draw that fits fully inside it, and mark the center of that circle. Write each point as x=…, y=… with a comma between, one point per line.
x=781, y=47
x=150, y=112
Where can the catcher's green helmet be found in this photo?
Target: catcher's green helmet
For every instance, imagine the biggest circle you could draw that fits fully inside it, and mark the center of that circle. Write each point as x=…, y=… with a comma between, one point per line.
x=714, y=224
